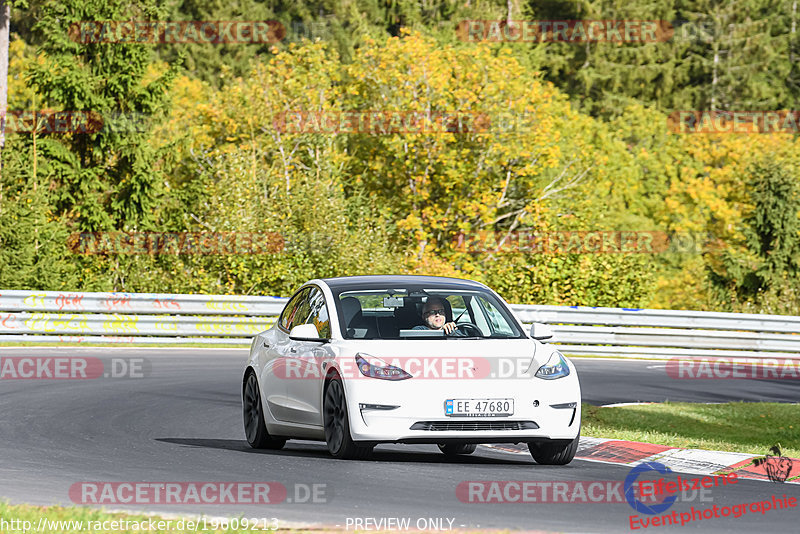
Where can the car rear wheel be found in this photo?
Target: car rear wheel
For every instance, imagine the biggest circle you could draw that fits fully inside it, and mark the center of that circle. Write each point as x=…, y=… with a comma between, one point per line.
x=337, y=425
x=555, y=452
x=453, y=449
x=254, y=427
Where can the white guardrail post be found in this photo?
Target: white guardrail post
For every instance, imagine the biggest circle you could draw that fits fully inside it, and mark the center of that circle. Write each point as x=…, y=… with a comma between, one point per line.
x=66, y=317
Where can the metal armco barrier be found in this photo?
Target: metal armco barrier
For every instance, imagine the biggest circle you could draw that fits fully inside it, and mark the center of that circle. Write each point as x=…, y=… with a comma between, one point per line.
x=152, y=303
x=63, y=317
x=638, y=333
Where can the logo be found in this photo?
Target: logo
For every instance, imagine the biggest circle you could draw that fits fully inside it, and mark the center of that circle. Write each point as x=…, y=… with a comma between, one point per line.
x=777, y=467
x=630, y=484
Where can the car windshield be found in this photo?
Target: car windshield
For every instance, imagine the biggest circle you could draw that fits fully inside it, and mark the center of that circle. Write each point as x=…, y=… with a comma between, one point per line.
x=397, y=313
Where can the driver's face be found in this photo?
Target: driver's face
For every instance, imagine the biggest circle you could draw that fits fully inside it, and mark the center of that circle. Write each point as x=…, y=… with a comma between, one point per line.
x=433, y=313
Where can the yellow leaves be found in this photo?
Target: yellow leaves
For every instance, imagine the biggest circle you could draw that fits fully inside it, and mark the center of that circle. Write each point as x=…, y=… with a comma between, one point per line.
x=21, y=58
x=410, y=223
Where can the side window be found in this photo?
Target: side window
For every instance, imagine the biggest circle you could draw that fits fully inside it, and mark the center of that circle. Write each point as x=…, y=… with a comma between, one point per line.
x=303, y=310
x=291, y=310
x=318, y=315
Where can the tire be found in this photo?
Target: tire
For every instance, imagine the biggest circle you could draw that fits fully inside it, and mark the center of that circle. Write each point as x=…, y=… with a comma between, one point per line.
x=555, y=452
x=337, y=425
x=254, y=428
x=453, y=449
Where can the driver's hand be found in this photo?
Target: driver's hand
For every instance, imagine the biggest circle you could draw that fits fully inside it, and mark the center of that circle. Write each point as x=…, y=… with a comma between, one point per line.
x=449, y=328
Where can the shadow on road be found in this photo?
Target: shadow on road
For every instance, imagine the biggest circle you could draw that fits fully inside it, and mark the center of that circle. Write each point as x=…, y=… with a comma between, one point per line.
x=305, y=449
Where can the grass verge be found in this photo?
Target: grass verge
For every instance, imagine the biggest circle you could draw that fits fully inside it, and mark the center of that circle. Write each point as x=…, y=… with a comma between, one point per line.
x=735, y=426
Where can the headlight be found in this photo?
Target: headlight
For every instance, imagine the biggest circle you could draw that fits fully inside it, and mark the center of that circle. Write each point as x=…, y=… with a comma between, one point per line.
x=376, y=368
x=556, y=367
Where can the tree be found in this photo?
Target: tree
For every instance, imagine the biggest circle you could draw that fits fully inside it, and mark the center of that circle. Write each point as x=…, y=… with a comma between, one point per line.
x=5, y=19
x=107, y=178
x=770, y=261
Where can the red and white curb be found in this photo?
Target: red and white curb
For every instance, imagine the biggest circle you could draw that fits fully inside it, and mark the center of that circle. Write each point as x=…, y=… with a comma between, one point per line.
x=692, y=461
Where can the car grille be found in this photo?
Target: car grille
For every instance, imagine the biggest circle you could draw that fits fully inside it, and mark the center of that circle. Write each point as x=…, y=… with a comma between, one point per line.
x=473, y=426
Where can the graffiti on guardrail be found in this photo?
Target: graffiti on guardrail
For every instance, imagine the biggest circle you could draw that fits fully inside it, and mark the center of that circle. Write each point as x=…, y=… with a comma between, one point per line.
x=117, y=301
x=167, y=304
x=226, y=305
x=60, y=322
x=70, y=301
x=121, y=323
x=91, y=339
x=35, y=301
x=243, y=326
x=167, y=326
x=9, y=321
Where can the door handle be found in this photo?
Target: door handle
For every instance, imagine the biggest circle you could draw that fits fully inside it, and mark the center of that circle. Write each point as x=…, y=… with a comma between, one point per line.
x=266, y=345
x=293, y=349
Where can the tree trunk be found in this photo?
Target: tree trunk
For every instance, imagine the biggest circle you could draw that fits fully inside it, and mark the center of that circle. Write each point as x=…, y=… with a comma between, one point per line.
x=5, y=15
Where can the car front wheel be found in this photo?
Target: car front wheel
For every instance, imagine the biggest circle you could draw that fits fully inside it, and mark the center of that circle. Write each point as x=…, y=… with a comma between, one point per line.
x=254, y=427
x=555, y=452
x=337, y=425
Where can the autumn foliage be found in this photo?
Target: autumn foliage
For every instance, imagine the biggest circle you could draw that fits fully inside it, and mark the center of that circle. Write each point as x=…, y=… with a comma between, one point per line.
x=505, y=151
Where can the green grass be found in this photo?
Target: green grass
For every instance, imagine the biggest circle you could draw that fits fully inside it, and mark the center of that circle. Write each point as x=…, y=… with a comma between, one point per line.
x=735, y=427
x=34, y=514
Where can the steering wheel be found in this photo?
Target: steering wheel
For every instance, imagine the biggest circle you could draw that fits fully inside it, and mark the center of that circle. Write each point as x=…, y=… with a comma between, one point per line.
x=469, y=326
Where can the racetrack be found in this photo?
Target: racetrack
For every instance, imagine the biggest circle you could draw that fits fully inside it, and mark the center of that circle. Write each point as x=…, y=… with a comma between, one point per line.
x=182, y=422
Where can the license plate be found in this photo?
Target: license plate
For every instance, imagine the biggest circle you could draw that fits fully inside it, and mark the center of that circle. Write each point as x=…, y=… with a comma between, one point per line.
x=479, y=407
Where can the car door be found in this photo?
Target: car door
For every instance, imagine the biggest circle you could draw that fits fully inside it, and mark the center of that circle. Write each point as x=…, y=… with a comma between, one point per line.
x=304, y=361
x=275, y=347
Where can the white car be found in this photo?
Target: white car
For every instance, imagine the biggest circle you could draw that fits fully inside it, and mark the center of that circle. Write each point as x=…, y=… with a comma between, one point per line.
x=352, y=362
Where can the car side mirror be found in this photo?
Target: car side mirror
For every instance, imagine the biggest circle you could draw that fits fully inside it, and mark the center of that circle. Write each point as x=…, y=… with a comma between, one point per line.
x=305, y=332
x=540, y=331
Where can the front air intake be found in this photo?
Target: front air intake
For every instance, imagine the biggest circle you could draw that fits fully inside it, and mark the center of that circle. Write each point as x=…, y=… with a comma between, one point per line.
x=473, y=426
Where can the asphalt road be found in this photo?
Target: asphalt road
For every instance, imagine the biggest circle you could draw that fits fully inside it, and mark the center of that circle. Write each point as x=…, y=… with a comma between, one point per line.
x=182, y=422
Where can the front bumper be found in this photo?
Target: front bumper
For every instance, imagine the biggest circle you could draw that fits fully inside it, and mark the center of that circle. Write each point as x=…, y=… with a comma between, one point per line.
x=412, y=411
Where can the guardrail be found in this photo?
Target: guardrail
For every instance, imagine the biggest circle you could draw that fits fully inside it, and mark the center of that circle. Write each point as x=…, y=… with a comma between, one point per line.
x=61, y=317
x=667, y=333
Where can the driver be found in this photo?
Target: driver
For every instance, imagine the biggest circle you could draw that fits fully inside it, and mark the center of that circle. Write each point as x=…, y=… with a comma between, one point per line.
x=433, y=313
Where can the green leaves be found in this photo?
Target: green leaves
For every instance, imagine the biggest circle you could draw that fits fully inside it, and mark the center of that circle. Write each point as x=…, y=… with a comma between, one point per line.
x=768, y=265
x=196, y=147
